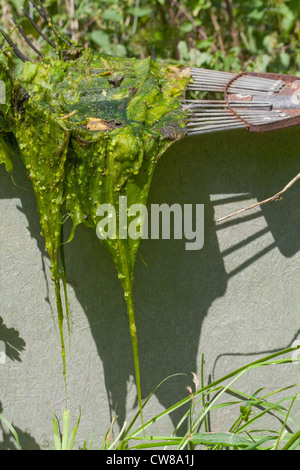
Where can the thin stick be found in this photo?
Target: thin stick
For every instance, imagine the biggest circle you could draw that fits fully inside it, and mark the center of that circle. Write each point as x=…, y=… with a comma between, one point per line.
x=270, y=199
x=67, y=116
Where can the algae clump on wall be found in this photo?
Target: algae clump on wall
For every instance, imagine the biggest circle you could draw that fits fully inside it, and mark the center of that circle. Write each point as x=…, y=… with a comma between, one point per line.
x=89, y=129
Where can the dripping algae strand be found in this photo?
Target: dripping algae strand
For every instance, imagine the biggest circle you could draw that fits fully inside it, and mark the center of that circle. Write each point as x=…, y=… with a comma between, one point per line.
x=60, y=314
x=127, y=284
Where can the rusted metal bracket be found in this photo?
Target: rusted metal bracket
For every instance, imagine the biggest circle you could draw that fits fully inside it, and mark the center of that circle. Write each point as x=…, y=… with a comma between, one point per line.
x=259, y=102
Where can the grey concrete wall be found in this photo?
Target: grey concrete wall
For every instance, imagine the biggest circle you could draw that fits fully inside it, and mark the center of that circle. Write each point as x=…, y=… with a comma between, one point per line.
x=235, y=300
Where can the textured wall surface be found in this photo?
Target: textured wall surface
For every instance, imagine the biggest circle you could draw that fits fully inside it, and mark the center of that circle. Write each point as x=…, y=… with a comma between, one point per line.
x=235, y=300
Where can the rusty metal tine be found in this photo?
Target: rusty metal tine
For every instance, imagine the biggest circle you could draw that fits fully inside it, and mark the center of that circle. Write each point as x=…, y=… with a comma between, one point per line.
x=40, y=12
x=14, y=47
x=38, y=29
x=26, y=38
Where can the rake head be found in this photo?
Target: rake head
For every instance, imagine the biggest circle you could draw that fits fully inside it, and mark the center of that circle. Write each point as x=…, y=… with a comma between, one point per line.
x=259, y=102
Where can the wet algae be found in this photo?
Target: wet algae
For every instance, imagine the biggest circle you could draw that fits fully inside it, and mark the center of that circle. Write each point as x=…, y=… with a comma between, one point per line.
x=89, y=129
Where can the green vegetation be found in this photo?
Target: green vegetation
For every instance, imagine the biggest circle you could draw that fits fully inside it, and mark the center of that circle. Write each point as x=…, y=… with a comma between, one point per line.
x=247, y=432
x=261, y=35
x=82, y=148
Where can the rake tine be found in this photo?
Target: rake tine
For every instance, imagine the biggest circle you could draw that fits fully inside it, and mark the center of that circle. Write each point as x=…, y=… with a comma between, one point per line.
x=26, y=38
x=40, y=12
x=38, y=29
x=14, y=47
x=44, y=11
x=43, y=14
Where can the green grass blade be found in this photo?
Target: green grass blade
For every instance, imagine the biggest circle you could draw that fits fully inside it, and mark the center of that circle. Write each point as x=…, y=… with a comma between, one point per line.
x=258, y=443
x=219, y=438
x=56, y=435
x=12, y=430
x=118, y=437
x=284, y=424
x=74, y=432
x=91, y=442
x=290, y=444
x=131, y=424
x=154, y=445
x=269, y=407
x=209, y=387
x=65, y=432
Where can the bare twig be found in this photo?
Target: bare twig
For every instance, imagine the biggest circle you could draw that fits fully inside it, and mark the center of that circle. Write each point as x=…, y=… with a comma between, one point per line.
x=245, y=64
x=217, y=28
x=270, y=199
x=172, y=13
x=203, y=36
x=185, y=12
x=233, y=29
x=67, y=116
x=74, y=25
x=135, y=18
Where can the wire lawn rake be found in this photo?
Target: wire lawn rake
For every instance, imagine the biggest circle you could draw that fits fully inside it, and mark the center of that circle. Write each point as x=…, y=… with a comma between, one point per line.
x=259, y=102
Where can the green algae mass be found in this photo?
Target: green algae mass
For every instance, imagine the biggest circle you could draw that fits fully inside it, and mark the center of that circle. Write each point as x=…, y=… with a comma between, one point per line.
x=89, y=131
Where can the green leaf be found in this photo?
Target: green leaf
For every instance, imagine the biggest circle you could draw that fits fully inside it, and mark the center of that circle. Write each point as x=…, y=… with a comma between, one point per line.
x=74, y=432
x=270, y=42
x=263, y=62
x=295, y=440
x=257, y=443
x=111, y=15
x=56, y=435
x=220, y=438
x=197, y=57
x=201, y=5
x=100, y=38
x=140, y=12
x=183, y=50
x=257, y=14
x=12, y=430
x=205, y=44
x=289, y=17
x=65, y=433
x=119, y=50
x=186, y=27
x=203, y=58
x=285, y=59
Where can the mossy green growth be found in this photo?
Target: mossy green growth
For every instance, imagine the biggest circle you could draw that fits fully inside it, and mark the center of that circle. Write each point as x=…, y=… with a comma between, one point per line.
x=89, y=131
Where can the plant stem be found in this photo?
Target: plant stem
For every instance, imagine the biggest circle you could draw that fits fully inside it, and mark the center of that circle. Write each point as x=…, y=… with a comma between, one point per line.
x=203, y=397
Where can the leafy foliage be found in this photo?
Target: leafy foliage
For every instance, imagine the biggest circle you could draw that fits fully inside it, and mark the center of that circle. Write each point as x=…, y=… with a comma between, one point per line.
x=219, y=34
